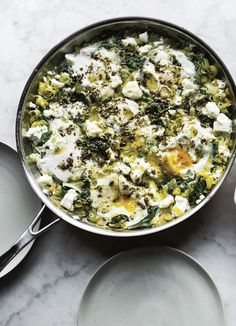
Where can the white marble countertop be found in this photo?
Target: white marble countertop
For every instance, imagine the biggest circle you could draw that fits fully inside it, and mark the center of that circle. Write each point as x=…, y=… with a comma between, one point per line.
x=45, y=289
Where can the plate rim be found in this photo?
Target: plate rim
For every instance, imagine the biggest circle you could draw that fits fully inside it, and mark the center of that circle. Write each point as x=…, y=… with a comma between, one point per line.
x=161, y=247
x=27, y=249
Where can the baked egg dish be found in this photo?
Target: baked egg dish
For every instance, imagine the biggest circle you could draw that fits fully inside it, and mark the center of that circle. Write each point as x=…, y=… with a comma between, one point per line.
x=130, y=131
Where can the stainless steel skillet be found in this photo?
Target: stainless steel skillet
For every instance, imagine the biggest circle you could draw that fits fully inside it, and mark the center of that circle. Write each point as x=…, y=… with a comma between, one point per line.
x=56, y=55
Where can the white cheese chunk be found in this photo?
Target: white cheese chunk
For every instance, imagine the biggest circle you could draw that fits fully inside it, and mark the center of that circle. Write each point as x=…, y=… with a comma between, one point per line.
x=106, y=54
x=79, y=62
x=162, y=57
x=143, y=37
x=33, y=158
x=200, y=199
x=138, y=167
x=31, y=105
x=129, y=105
x=149, y=68
x=188, y=86
x=90, y=49
x=220, y=84
x=35, y=133
x=45, y=180
x=115, y=81
x=132, y=90
x=144, y=49
x=211, y=110
x=188, y=68
x=129, y=41
x=122, y=167
x=166, y=202
x=107, y=91
x=57, y=83
x=224, y=150
x=222, y=124
x=181, y=206
x=68, y=200
x=92, y=129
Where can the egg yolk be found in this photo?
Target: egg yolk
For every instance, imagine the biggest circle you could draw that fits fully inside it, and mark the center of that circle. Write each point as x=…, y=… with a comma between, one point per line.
x=177, y=159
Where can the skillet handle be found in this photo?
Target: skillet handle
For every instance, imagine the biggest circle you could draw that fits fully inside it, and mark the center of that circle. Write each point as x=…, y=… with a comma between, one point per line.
x=28, y=236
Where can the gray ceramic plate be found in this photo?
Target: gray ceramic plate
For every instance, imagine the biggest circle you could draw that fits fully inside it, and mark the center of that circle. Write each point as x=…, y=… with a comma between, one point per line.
x=18, y=204
x=151, y=286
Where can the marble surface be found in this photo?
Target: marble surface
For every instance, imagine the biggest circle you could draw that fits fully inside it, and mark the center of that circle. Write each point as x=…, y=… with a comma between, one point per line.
x=46, y=288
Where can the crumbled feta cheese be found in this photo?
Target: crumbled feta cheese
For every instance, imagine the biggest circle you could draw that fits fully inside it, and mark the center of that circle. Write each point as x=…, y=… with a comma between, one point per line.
x=181, y=206
x=49, y=113
x=115, y=81
x=92, y=129
x=112, y=155
x=144, y=49
x=68, y=200
x=138, y=167
x=76, y=109
x=106, y=54
x=222, y=124
x=149, y=68
x=188, y=86
x=161, y=57
x=188, y=68
x=34, y=157
x=45, y=180
x=114, y=66
x=90, y=49
x=200, y=199
x=122, y=167
x=143, y=37
x=79, y=62
x=211, y=110
x=217, y=173
x=129, y=41
x=129, y=105
x=166, y=202
x=160, y=131
x=35, y=133
x=57, y=83
x=177, y=101
x=224, y=150
x=46, y=191
x=31, y=105
x=107, y=91
x=220, y=84
x=132, y=90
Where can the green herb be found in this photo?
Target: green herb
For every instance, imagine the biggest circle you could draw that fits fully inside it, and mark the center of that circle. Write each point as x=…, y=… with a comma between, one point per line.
x=198, y=189
x=45, y=137
x=111, y=43
x=58, y=181
x=61, y=97
x=132, y=60
x=95, y=148
x=214, y=154
x=145, y=223
x=80, y=97
x=118, y=221
x=156, y=109
x=85, y=188
x=177, y=43
x=206, y=121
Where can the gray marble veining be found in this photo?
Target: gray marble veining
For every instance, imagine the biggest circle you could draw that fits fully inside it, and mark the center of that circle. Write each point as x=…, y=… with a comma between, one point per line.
x=45, y=289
